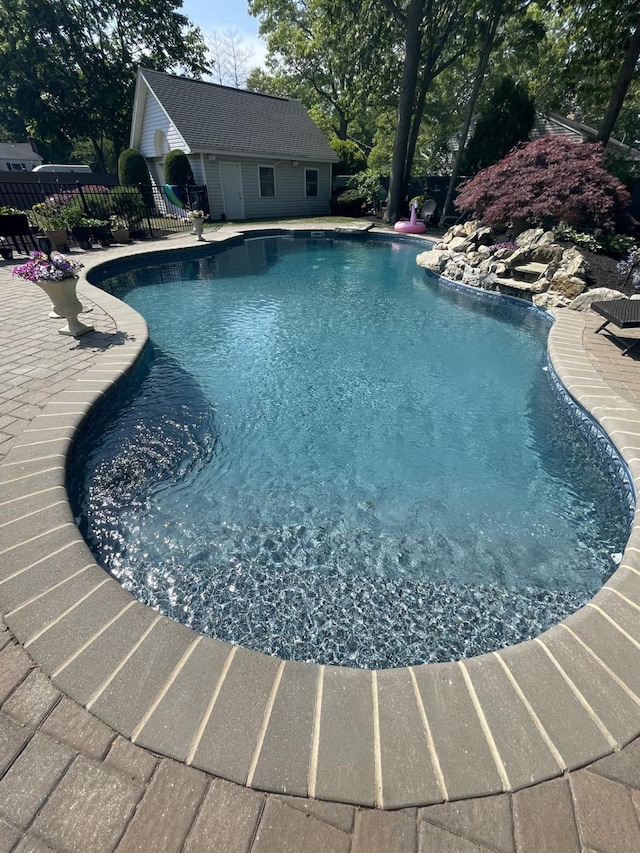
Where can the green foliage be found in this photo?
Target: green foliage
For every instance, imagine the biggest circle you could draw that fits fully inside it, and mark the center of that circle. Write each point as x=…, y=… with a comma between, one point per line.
x=580, y=58
x=617, y=245
x=320, y=52
x=368, y=185
x=128, y=206
x=506, y=120
x=550, y=179
x=624, y=168
x=352, y=159
x=323, y=122
x=349, y=203
x=177, y=169
x=50, y=215
x=68, y=69
x=566, y=234
x=379, y=159
x=132, y=169
x=96, y=202
x=83, y=151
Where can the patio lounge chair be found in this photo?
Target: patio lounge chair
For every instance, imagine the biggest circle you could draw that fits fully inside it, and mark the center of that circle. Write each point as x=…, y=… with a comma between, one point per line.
x=428, y=212
x=623, y=313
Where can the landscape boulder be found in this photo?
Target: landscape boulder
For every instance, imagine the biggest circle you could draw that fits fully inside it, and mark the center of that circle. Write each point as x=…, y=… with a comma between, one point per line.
x=533, y=267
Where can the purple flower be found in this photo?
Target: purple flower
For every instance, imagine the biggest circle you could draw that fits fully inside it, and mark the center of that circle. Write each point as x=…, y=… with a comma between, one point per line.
x=627, y=266
x=41, y=267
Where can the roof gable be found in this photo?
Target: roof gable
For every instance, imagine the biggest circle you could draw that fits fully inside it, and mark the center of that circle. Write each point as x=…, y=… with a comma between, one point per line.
x=18, y=151
x=213, y=119
x=558, y=125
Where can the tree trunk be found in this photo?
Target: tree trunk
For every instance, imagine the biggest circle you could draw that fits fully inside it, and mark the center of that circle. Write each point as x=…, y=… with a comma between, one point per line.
x=481, y=70
x=621, y=86
x=343, y=126
x=97, y=150
x=427, y=79
x=413, y=44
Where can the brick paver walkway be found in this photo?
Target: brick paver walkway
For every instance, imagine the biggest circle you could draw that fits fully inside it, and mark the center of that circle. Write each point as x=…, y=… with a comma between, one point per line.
x=68, y=782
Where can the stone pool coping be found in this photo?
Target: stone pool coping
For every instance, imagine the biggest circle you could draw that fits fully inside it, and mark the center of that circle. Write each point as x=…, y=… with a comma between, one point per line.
x=387, y=738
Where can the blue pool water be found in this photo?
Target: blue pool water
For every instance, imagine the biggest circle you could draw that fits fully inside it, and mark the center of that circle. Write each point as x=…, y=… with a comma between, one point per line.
x=330, y=455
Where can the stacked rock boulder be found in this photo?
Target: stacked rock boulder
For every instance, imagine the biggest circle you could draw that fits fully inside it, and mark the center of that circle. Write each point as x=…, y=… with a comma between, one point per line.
x=531, y=266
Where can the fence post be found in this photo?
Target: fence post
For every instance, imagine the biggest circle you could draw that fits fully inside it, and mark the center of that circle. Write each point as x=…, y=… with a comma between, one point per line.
x=82, y=198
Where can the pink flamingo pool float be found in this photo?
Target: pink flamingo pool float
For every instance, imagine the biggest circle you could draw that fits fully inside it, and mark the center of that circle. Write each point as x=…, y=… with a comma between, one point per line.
x=412, y=226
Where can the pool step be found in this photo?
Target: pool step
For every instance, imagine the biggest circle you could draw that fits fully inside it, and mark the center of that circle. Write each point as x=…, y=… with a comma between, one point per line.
x=532, y=270
x=517, y=284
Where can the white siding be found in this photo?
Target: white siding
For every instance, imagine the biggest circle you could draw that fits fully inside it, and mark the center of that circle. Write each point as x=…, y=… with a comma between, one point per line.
x=214, y=188
x=290, y=198
x=196, y=168
x=154, y=118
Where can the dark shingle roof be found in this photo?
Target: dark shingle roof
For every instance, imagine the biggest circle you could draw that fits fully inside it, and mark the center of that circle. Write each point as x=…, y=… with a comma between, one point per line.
x=212, y=118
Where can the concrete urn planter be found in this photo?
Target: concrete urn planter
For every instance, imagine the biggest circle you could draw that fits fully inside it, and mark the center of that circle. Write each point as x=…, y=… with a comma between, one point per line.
x=62, y=294
x=198, y=226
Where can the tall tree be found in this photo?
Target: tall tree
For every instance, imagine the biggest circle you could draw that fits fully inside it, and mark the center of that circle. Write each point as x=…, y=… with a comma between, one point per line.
x=506, y=120
x=434, y=36
x=589, y=62
x=328, y=46
x=231, y=57
x=68, y=66
x=490, y=18
x=627, y=70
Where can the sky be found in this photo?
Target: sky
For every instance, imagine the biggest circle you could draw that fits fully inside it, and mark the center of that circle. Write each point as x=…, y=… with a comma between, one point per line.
x=223, y=15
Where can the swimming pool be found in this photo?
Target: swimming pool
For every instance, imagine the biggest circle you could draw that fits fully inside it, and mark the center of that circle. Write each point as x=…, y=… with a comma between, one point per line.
x=335, y=457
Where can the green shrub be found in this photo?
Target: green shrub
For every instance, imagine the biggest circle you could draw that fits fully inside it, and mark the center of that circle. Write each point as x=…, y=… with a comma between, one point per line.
x=177, y=169
x=127, y=204
x=132, y=169
x=617, y=245
x=506, y=120
x=97, y=202
x=369, y=184
x=349, y=203
x=565, y=234
x=610, y=244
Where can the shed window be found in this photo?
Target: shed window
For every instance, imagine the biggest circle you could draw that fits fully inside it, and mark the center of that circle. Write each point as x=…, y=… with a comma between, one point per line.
x=17, y=167
x=311, y=182
x=267, y=175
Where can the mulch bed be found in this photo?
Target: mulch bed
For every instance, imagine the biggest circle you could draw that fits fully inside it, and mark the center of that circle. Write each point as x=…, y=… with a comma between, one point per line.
x=603, y=273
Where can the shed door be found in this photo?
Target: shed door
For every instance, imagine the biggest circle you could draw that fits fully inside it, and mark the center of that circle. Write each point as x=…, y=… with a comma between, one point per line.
x=232, y=190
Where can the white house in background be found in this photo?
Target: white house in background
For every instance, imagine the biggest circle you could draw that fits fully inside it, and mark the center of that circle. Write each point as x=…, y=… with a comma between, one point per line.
x=18, y=157
x=259, y=156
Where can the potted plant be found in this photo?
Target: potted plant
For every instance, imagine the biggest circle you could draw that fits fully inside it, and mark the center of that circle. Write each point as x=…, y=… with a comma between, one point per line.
x=81, y=233
x=119, y=229
x=58, y=277
x=13, y=222
x=197, y=218
x=6, y=252
x=129, y=208
x=52, y=218
x=100, y=231
x=78, y=223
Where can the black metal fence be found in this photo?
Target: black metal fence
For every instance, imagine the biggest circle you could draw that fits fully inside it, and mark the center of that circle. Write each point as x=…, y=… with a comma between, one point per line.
x=146, y=211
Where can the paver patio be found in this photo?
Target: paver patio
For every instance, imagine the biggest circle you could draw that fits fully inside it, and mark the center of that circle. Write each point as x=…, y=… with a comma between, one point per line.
x=69, y=781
